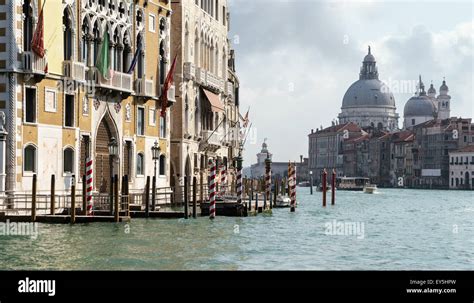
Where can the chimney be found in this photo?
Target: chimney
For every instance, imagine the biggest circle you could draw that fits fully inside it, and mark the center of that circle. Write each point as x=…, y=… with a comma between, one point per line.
x=301, y=158
x=312, y=130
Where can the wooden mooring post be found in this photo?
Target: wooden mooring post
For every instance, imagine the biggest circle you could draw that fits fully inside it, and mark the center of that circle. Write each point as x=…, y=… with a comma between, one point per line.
x=33, y=199
x=153, y=194
x=333, y=187
x=116, y=199
x=186, y=195
x=73, y=200
x=84, y=196
x=325, y=174
x=53, y=195
x=194, y=197
x=147, y=197
x=111, y=195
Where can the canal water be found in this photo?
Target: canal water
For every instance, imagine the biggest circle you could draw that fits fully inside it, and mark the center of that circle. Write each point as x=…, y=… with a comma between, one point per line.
x=392, y=230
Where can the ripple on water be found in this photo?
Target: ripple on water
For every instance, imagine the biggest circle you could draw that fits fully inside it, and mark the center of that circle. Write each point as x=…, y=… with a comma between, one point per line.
x=403, y=229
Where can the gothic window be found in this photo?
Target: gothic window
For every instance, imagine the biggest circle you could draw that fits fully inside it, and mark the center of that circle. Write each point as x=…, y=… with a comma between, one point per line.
x=141, y=59
x=162, y=62
x=97, y=40
x=116, y=51
x=67, y=35
x=85, y=42
x=127, y=50
x=27, y=25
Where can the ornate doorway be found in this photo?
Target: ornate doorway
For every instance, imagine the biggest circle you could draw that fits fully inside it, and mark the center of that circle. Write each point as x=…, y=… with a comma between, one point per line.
x=103, y=162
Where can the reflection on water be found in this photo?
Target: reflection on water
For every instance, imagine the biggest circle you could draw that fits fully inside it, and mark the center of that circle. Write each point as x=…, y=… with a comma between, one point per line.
x=403, y=229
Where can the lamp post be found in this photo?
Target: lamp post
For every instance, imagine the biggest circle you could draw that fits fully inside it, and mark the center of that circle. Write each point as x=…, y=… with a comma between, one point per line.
x=155, y=152
x=311, y=182
x=113, y=152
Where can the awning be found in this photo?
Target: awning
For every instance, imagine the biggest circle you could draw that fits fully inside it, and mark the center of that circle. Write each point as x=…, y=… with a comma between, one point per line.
x=216, y=104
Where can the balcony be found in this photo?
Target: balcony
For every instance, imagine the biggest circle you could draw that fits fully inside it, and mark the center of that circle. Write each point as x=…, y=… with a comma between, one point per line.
x=144, y=88
x=189, y=71
x=211, y=138
x=74, y=70
x=201, y=76
x=32, y=63
x=119, y=81
x=230, y=89
x=214, y=82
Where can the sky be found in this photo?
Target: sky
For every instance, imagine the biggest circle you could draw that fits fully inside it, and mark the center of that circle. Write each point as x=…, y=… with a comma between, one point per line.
x=296, y=58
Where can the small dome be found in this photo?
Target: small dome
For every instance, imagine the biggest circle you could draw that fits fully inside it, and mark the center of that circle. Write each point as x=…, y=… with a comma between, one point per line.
x=444, y=87
x=419, y=106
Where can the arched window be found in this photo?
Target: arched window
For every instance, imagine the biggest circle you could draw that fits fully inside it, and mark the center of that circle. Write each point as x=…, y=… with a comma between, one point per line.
x=97, y=40
x=68, y=160
x=116, y=51
x=85, y=43
x=162, y=165
x=196, y=117
x=186, y=114
x=162, y=62
x=196, y=50
x=67, y=35
x=127, y=50
x=27, y=25
x=29, y=159
x=186, y=44
x=141, y=59
x=140, y=164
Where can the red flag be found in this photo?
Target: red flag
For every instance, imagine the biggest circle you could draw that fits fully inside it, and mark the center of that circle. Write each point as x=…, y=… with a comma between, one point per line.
x=37, y=44
x=246, y=118
x=166, y=87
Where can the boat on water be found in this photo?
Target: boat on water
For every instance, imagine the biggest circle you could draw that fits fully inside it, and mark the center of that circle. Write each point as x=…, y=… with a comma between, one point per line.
x=352, y=183
x=282, y=201
x=304, y=184
x=370, y=188
x=320, y=187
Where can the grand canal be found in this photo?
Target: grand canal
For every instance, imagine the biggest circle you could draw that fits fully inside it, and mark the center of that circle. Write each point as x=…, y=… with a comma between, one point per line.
x=394, y=229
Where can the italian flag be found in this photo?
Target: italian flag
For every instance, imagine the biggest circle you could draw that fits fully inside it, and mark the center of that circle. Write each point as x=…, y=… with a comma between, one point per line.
x=103, y=60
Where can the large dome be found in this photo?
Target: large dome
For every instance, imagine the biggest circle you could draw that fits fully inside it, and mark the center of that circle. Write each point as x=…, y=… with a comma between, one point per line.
x=419, y=106
x=368, y=93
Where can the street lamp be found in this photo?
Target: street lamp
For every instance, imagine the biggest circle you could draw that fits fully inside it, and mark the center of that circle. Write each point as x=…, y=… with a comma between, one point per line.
x=311, y=182
x=113, y=151
x=155, y=153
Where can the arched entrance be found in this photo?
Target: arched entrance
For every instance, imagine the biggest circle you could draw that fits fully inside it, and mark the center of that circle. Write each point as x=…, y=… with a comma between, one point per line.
x=103, y=162
x=466, y=180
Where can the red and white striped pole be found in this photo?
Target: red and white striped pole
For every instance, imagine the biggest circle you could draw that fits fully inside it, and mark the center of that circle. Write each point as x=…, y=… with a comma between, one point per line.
x=223, y=185
x=89, y=185
x=292, y=181
x=212, y=190
x=239, y=179
x=268, y=180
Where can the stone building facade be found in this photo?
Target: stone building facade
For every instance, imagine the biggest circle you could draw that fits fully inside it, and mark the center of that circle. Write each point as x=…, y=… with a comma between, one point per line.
x=205, y=118
x=461, y=168
x=60, y=110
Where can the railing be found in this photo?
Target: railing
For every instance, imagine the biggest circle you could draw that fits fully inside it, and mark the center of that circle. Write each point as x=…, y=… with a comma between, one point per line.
x=74, y=70
x=189, y=71
x=118, y=81
x=230, y=88
x=144, y=87
x=201, y=76
x=213, y=81
x=211, y=137
x=33, y=63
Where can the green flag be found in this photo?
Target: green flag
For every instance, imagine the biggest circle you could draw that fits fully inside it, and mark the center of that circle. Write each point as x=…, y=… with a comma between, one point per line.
x=103, y=60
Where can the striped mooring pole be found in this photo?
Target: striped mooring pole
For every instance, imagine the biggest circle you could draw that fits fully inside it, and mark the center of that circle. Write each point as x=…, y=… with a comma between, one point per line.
x=239, y=179
x=223, y=185
x=212, y=189
x=268, y=179
x=89, y=181
x=292, y=181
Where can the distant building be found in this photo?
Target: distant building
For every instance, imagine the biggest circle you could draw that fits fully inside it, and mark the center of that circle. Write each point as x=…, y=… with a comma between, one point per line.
x=461, y=168
x=401, y=159
x=433, y=142
x=325, y=148
x=257, y=170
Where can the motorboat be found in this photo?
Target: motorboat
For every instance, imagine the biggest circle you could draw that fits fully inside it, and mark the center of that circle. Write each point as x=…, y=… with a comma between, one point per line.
x=370, y=188
x=282, y=201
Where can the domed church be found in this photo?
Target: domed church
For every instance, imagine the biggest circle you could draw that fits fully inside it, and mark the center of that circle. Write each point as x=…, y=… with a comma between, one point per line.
x=424, y=107
x=368, y=101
